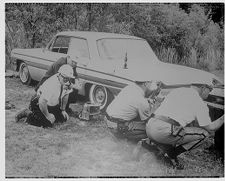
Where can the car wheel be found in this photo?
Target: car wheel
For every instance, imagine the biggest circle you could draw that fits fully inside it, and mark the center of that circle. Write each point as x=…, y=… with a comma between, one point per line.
x=100, y=95
x=24, y=74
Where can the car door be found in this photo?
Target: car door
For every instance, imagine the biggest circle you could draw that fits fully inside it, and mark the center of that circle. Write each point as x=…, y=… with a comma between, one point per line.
x=99, y=70
x=58, y=47
x=78, y=51
x=112, y=57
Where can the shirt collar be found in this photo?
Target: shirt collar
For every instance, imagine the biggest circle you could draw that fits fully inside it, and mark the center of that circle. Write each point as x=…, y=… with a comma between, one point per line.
x=58, y=82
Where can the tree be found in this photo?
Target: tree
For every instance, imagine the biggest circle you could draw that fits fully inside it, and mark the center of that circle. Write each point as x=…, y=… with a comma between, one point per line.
x=182, y=30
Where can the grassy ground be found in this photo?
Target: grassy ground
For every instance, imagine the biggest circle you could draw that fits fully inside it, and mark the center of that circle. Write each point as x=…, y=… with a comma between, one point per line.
x=85, y=149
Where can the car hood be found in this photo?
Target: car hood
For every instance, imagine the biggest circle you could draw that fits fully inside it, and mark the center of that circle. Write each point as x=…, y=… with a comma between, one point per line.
x=171, y=74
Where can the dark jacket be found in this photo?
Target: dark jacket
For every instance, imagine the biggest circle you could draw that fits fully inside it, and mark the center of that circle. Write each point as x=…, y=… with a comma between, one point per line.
x=54, y=69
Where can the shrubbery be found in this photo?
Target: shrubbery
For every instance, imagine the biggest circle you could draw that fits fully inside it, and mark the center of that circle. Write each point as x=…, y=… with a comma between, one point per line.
x=176, y=36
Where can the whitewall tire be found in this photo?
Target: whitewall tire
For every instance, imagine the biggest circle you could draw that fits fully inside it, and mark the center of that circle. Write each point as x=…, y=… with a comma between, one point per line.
x=100, y=95
x=24, y=74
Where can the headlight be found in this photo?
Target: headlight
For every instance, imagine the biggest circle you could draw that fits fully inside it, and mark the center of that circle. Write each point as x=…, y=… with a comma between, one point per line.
x=217, y=84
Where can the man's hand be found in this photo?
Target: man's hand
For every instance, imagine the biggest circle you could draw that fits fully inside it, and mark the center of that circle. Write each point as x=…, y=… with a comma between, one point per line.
x=65, y=115
x=38, y=93
x=51, y=118
x=77, y=85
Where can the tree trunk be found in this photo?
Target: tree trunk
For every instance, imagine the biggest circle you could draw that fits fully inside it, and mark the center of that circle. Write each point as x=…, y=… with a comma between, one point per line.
x=33, y=40
x=75, y=15
x=102, y=22
x=89, y=16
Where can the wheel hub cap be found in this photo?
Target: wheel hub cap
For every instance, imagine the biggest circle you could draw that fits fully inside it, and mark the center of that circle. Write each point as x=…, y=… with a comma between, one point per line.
x=100, y=96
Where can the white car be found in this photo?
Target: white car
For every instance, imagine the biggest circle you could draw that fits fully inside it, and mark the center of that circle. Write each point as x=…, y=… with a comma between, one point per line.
x=106, y=62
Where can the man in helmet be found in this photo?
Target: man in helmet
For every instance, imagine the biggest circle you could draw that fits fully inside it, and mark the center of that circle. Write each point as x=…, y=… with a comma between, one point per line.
x=50, y=72
x=54, y=69
x=182, y=122
x=128, y=113
x=49, y=106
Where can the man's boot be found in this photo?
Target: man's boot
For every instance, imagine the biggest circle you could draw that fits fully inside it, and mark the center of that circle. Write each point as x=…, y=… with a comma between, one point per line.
x=22, y=114
x=173, y=153
x=169, y=155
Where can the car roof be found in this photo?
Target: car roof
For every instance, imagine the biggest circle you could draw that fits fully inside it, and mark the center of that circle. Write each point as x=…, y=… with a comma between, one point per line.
x=96, y=35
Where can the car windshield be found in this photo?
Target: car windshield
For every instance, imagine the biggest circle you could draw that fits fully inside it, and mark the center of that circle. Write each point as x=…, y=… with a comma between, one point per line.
x=132, y=49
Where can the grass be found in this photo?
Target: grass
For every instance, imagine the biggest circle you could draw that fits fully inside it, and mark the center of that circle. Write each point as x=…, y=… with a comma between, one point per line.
x=85, y=149
x=210, y=61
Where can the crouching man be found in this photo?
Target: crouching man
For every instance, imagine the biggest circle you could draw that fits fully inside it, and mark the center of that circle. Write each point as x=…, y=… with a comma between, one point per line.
x=182, y=122
x=128, y=113
x=48, y=106
x=53, y=69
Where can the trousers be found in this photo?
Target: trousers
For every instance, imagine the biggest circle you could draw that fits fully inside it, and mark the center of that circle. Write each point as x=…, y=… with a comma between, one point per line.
x=132, y=130
x=37, y=118
x=163, y=133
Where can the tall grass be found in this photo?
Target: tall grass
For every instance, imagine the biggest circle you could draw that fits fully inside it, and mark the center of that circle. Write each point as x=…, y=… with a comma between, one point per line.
x=210, y=61
x=15, y=37
x=168, y=55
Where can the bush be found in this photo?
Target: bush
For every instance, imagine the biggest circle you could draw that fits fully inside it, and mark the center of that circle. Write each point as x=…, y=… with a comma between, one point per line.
x=176, y=36
x=189, y=39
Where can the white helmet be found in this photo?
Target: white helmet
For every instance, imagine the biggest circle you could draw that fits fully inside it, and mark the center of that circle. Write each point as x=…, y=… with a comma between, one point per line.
x=66, y=70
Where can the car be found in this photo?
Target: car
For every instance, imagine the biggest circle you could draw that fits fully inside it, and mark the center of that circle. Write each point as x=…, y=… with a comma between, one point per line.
x=105, y=62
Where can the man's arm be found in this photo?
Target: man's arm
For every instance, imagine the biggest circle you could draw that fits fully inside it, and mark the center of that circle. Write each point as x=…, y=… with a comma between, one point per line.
x=64, y=102
x=215, y=125
x=43, y=106
x=144, y=110
x=44, y=109
x=63, y=106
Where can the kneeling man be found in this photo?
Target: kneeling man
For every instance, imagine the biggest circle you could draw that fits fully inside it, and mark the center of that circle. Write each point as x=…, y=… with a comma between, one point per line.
x=182, y=122
x=49, y=105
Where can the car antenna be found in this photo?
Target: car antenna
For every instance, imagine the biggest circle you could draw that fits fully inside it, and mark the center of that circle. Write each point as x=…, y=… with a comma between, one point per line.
x=125, y=61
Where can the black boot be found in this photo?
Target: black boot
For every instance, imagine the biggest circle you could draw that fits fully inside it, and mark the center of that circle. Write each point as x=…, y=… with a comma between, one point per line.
x=22, y=114
x=173, y=153
x=169, y=154
x=179, y=149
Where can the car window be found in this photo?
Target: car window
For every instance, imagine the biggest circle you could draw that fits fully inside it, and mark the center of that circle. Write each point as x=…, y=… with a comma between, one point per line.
x=118, y=49
x=111, y=49
x=79, y=48
x=60, y=45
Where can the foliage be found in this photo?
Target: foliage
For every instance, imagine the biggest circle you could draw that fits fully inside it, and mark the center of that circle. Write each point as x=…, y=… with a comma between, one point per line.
x=177, y=36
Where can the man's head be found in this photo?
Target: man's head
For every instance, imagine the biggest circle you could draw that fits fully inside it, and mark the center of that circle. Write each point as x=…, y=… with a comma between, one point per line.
x=151, y=88
x=203, y=89
x=71, y=61
x=65, y=74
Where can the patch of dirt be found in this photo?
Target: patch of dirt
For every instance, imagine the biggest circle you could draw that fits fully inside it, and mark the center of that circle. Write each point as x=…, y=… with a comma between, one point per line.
x=83, y=149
